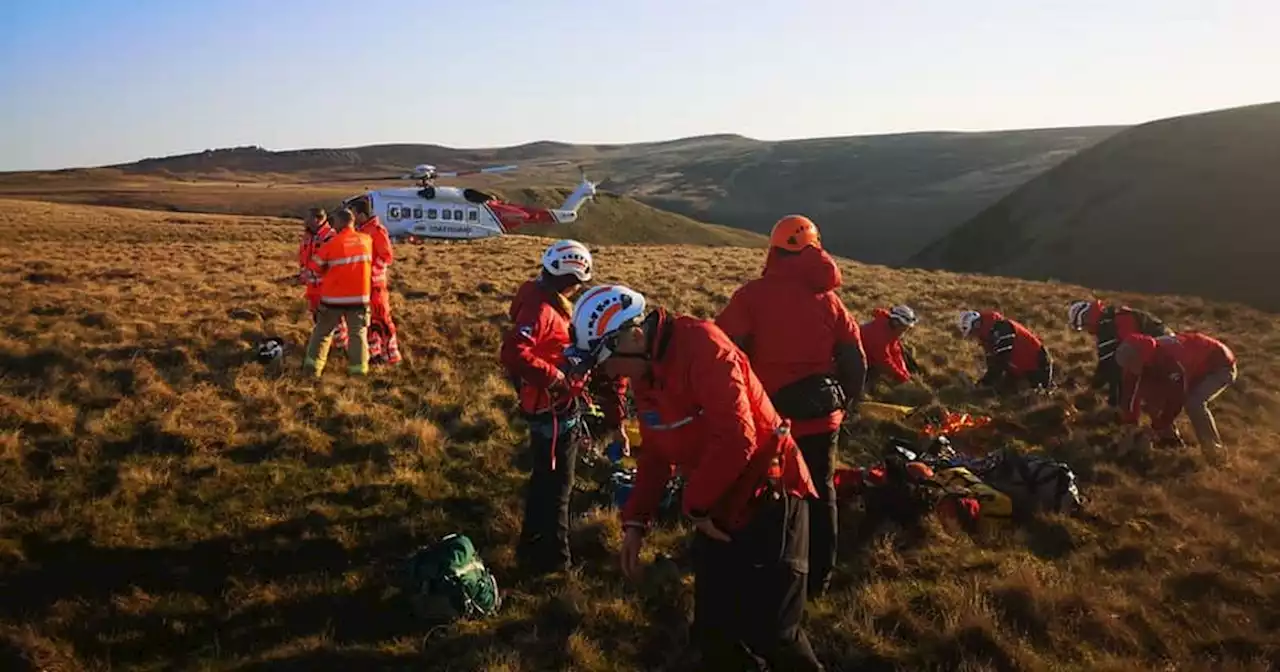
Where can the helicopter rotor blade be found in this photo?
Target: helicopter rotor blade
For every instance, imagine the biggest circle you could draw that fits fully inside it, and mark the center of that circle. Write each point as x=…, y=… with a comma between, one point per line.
x=477, y=171
x=371, y=178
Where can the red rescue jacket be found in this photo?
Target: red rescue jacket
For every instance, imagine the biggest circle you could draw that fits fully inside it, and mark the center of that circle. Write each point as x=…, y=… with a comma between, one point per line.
x=533, y=352
x=1171, y=367
x=789, y=321
x=308, y=272
x=383, y=255
x=702, y=409
x=884, y=350
x=996, y=331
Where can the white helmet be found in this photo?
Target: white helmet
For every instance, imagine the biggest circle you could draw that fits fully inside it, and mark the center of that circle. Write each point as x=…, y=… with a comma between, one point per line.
x=903, y=315
x=967, y=321
x=600, y=313
x=568, y=257
x=1076, y=314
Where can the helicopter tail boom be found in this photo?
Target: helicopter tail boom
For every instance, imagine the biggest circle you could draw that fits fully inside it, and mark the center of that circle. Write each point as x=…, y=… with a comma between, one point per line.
x=568, y=212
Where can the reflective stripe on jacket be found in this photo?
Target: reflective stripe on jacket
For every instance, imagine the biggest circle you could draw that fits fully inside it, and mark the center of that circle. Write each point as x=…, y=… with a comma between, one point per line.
x=344, y=264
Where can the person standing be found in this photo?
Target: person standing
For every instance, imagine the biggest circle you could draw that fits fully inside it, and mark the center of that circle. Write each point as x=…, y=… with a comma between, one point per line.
x=342, y=265
x=806, y=348
x=747, y=488
x=384, y=344
x=532, y=355
x=316, y=232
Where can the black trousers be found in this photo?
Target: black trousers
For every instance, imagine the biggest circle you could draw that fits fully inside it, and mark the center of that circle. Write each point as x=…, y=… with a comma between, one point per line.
x=819, y=451
x=750, y=592
x=544, y=534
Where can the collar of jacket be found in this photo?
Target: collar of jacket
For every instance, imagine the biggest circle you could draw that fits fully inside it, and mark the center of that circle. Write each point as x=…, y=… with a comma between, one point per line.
x=557, y=299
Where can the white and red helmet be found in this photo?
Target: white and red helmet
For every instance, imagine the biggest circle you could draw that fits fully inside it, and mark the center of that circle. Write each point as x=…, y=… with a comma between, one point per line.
x=598, y=316
x=568, y=257
x=903, y=315
x=966, y=321
x=1076, y=314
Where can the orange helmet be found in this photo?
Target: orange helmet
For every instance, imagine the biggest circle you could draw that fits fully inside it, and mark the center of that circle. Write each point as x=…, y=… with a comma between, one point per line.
x=794, y=233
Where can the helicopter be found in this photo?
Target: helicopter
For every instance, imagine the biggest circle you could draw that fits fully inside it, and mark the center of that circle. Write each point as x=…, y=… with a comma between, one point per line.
x=428, y=211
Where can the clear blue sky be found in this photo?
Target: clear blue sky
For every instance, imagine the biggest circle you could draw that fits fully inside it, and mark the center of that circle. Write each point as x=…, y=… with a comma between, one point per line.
x=93, y=82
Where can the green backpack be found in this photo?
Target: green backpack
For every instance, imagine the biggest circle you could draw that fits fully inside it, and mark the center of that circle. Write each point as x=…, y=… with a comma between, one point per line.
x=448, y=580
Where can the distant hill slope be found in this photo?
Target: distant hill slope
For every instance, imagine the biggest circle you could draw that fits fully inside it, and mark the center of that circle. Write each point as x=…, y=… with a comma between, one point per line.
x=609, y=220
x=1185, y=205
x=877, y=198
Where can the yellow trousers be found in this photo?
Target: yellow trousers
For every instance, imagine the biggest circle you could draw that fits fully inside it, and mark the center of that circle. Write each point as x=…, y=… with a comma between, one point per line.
x=327, y=318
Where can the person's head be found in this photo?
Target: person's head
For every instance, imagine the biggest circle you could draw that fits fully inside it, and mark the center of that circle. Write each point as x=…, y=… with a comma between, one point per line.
x=342, y=219
x=362, y=208
x=606, y=331
x=1080, y=314
x=315, y=217
x=1134, y=352
x=967, y=323
x=793, y=233
x=566, y=265
x=902, y=318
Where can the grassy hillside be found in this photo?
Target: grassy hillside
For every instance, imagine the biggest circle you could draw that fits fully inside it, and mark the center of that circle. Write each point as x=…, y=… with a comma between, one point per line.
x=611, y=219
x=1185, y=205
x=878, y=198
x=166, y=503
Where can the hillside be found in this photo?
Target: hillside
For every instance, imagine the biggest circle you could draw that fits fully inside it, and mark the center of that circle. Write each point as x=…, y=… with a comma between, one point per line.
x=1185, y=205
x=611, y=219
x=878, y=198
x=167, y=503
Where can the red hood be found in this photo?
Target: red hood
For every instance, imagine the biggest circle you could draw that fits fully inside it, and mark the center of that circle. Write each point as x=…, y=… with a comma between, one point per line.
x=812, y=267
x=1095, y=312
x=532, y=292
x=880, y=314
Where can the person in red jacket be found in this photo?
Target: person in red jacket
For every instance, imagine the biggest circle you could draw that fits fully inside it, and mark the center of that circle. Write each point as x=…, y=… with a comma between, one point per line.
x=316, y=233
x=806, y=349
x=747, y=487
x=1110, y=325
x=1014, y=353
x=1185, y=371
x=533, y=356
x=882, y=339
x=384, y=344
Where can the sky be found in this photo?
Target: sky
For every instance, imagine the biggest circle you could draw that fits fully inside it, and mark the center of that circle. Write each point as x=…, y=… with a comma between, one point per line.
x=89, y=82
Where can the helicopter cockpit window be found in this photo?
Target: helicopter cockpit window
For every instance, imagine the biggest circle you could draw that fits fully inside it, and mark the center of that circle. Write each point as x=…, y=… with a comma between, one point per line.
x=431, y=213
x=445, y=214
x=417, y=213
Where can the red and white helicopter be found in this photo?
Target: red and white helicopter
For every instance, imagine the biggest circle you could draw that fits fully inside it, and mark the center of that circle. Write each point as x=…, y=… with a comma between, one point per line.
x=430, y=211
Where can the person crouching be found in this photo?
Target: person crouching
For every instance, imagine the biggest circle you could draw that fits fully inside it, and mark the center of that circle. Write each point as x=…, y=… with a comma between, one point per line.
x=1185, y=371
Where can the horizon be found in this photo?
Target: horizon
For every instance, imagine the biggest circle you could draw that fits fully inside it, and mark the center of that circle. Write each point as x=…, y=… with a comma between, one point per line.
x=832, y=70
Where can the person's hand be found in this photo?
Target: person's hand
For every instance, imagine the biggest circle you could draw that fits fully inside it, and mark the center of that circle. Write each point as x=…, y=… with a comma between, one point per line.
x=705, y=526
x=620, y=436
x=559, y=388
x=632, y=540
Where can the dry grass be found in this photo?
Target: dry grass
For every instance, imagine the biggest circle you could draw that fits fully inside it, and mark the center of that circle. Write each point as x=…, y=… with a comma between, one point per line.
x=169, y=504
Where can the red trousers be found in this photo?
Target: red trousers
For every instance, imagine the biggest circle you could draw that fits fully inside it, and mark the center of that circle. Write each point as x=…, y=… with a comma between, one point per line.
x=384, y=346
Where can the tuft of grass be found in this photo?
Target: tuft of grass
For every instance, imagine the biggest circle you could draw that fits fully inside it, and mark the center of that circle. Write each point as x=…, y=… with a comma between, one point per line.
x=167, y=502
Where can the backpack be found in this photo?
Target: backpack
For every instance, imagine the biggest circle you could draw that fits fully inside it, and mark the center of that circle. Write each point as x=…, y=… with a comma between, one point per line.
x=1035, y=482
x=448, y=580
x=972, y=501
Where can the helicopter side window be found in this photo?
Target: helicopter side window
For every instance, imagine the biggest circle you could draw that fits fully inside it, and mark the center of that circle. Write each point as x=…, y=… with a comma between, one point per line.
x=417, y=213
x=393, y=212
x=457, y=214
x=472, y=215
x=431, y=213
x=445, y=214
